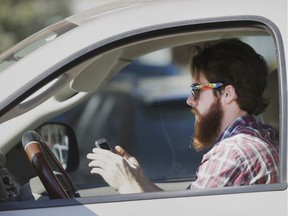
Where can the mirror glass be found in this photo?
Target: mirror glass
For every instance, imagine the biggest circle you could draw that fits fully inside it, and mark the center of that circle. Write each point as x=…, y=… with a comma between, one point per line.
x=56, y=138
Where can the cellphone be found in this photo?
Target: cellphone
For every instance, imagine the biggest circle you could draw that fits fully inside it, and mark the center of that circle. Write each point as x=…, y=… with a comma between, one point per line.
x=103, y=144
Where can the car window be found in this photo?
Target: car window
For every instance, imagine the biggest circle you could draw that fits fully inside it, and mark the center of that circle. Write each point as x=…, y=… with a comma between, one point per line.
x=143, y=108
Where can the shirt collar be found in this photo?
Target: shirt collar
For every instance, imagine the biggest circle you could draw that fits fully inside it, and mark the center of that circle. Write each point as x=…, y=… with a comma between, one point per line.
x=229, y=131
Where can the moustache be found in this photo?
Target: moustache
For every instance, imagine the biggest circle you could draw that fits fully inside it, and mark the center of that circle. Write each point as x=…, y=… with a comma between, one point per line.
x=196, y=113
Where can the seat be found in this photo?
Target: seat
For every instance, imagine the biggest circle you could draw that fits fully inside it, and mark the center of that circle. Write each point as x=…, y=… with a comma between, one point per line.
x=271, y=115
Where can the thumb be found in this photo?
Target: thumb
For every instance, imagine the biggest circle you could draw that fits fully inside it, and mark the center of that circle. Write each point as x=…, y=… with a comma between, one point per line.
x=129, y=158
x=120, y=151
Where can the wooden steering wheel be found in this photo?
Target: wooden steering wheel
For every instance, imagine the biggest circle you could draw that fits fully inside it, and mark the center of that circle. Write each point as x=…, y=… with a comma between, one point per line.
x=37, y=152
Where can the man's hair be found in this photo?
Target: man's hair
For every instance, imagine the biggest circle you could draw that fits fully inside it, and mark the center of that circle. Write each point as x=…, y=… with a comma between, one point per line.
x=234, y=63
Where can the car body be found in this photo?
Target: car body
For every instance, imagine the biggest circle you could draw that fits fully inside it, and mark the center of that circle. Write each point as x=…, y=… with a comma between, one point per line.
x=55, y=70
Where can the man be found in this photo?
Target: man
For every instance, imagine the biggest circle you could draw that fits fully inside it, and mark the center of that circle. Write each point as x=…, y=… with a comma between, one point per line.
x=228, y=78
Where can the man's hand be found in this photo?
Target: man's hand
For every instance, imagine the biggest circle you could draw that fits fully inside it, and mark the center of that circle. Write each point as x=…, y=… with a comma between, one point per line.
x=121, y=171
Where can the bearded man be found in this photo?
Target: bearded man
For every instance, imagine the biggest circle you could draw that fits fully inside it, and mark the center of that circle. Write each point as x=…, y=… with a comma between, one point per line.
x=228, y=80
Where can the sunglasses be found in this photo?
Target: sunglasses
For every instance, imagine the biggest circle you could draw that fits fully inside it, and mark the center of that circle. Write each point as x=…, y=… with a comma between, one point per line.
x=195, y=88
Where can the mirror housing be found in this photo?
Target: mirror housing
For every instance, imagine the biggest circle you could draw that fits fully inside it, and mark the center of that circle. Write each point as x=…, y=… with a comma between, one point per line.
x=62, y=141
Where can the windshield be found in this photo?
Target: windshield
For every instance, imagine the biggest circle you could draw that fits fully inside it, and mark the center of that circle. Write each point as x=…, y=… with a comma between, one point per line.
x=33, y=42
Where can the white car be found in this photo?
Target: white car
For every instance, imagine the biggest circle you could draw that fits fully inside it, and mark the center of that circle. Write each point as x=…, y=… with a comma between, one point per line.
x=49, y=76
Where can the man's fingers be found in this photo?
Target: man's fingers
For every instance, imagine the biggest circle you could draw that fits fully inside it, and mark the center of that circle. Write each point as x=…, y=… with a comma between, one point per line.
x=98, y=163
x=97, y=170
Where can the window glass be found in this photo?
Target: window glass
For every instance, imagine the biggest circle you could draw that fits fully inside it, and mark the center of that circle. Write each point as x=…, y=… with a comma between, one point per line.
x=143, y=109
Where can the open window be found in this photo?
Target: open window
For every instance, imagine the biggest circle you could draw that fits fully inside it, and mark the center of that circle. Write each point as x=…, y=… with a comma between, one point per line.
x=142, y=105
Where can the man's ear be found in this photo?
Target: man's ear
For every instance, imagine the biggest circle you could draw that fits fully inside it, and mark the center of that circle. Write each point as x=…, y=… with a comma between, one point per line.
x=229, y=94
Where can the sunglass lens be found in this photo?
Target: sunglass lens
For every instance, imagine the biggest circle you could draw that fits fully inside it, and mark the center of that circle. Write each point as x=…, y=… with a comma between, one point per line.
x=194, y=93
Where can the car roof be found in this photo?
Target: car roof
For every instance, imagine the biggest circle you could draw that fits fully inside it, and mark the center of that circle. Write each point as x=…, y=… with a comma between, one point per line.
x=105, y=7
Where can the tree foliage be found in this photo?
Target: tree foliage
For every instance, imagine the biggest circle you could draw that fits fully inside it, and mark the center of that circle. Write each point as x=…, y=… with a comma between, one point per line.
x=21, y=18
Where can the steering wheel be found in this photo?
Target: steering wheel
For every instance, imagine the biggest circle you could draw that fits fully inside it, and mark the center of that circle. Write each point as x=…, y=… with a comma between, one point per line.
x=40, y=156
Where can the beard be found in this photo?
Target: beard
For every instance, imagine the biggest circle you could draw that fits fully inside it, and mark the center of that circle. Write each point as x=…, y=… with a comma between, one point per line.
x=207, y=126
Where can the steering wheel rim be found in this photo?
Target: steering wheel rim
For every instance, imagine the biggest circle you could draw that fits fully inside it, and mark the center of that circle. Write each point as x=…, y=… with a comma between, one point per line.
x=34, y=147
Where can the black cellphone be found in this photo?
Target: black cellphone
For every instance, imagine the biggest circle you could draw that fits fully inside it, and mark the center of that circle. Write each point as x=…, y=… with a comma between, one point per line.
x=103, y=144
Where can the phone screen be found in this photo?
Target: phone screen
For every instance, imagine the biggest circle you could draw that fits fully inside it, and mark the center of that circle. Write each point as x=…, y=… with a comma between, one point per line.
x=103, y=144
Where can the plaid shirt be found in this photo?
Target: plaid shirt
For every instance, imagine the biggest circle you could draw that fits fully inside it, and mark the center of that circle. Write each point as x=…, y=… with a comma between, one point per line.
x=246, y=153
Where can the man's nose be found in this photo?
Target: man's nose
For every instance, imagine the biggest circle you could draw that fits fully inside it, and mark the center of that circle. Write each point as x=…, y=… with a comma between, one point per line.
x=191, y=101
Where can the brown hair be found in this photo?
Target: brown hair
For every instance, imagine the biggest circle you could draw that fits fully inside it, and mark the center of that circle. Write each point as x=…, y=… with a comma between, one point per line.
x=235, y=63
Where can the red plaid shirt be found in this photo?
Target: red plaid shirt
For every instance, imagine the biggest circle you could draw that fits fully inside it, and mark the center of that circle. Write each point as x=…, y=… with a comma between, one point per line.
x=246, y=153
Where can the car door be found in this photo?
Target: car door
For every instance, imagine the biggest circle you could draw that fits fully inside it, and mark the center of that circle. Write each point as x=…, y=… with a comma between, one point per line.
x=88, y=65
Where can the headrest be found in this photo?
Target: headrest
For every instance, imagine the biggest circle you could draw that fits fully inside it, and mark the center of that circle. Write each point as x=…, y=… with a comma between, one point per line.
x=271, y=114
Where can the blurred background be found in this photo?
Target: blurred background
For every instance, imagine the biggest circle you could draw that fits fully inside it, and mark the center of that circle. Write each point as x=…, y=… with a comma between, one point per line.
x=21, y=18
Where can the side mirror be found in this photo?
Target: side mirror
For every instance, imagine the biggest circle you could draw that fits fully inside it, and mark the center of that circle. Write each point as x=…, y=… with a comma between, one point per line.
x=62, y=141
